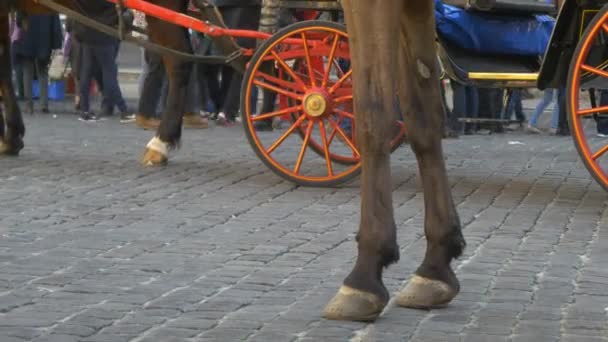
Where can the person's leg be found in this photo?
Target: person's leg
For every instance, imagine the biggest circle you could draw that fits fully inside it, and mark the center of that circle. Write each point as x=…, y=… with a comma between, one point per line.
x=42, y=69
x=144, y=72
x=75, y=62
x=109, y=70
x=544, y=102
x=246, y=18
x=510, y=108
x=152, y=85
x=87, y=61
x=28, y=82
x=518, y=106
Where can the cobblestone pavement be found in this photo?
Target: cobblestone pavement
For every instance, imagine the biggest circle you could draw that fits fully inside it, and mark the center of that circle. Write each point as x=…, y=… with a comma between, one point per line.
x=215, y=247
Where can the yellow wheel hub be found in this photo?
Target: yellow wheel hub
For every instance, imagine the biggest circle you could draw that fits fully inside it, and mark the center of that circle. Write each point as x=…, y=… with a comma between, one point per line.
x=315, y=104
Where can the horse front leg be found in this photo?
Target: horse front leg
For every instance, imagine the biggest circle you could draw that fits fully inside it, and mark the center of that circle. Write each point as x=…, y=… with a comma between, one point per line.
x=363, y=295
x=434, y=282
x=178, y=71
x=11, y=139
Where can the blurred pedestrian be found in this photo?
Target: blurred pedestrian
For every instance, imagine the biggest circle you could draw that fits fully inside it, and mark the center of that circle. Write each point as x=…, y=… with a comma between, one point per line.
x=100, y=49
x=237, y=14
x=549, y=95
x=41, y=34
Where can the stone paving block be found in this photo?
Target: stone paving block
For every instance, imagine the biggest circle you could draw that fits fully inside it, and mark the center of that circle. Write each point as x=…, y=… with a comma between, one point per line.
x=217, y=248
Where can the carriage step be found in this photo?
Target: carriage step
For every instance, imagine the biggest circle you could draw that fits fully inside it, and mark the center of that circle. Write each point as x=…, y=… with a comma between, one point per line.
x=502, y=76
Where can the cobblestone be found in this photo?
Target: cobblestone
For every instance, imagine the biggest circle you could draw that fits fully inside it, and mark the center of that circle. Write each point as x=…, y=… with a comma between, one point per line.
x=215, y=247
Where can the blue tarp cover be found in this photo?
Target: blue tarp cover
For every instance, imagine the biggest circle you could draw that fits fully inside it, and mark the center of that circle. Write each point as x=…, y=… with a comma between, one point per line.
x=526, y=35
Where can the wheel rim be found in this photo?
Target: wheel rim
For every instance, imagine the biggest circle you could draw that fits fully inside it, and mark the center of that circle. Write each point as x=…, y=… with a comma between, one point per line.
x=312, y=107
x=589, y=67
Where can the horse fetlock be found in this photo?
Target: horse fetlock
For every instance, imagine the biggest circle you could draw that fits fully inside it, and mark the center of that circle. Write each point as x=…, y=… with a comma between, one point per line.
x=156, y=153
x=11, y=146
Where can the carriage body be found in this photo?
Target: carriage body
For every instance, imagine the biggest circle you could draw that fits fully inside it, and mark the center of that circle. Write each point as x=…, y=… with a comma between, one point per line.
x=574, y=61
x=504, y=70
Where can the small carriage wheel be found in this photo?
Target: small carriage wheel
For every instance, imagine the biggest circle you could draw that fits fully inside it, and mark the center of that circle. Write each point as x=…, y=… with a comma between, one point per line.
x=316, y=107
x=588, y=63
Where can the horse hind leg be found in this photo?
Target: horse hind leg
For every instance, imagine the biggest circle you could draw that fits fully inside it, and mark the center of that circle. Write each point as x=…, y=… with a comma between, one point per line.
x=434, y=282
x=12, y=135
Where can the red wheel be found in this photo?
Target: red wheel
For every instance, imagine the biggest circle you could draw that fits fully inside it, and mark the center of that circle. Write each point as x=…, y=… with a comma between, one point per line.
x=588, y=69
x=315, y=104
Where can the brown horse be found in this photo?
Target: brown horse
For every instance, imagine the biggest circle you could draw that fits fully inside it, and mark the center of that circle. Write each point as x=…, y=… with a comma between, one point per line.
x=178, y=72
x=390, y=38
x=396, y=39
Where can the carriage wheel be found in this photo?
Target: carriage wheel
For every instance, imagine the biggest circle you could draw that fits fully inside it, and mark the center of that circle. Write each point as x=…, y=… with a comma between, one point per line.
x=589, y=68
x=316, y=107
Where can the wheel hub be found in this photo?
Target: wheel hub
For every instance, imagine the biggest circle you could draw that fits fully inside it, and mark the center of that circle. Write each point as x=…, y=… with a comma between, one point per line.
x=316, y=103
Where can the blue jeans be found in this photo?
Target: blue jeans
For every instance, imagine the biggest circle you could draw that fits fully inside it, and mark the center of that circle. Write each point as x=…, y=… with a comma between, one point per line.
x=466, y=101
x=105, y=58
x=515, y=105
x=548, y=96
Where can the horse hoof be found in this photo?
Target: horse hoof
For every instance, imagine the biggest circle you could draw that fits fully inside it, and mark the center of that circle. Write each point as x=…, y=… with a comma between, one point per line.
x=10, y=150
x=354, y=305
x=424, y=293
x=153, y=158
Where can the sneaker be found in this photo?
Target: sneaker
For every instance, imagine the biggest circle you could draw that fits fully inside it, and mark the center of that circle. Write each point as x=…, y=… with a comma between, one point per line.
x=534, y=129
x=88, y=117
x=126, y=117
x=602, y=135
x=205, y=114
x=222, y=120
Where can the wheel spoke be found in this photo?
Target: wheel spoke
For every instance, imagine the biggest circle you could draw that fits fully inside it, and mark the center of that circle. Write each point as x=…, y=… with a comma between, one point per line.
x=333, y=132
x=277, y=90
x=346, y=139
x=338, y=67
x=594, y=70
x=342, y=99
x=308, y=63
x=600, y=153
x=289, y=70
x=344, y=113
x=341, y=80
x=311, y=125
x=277, y=113
x=332, y=53
x=592, y=110
x=280, y=82
x=286, y=134
x=330, y=171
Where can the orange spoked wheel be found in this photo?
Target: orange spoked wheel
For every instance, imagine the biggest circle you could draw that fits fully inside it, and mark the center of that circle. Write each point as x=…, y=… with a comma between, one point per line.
x=589, y=69
x=296, y=75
